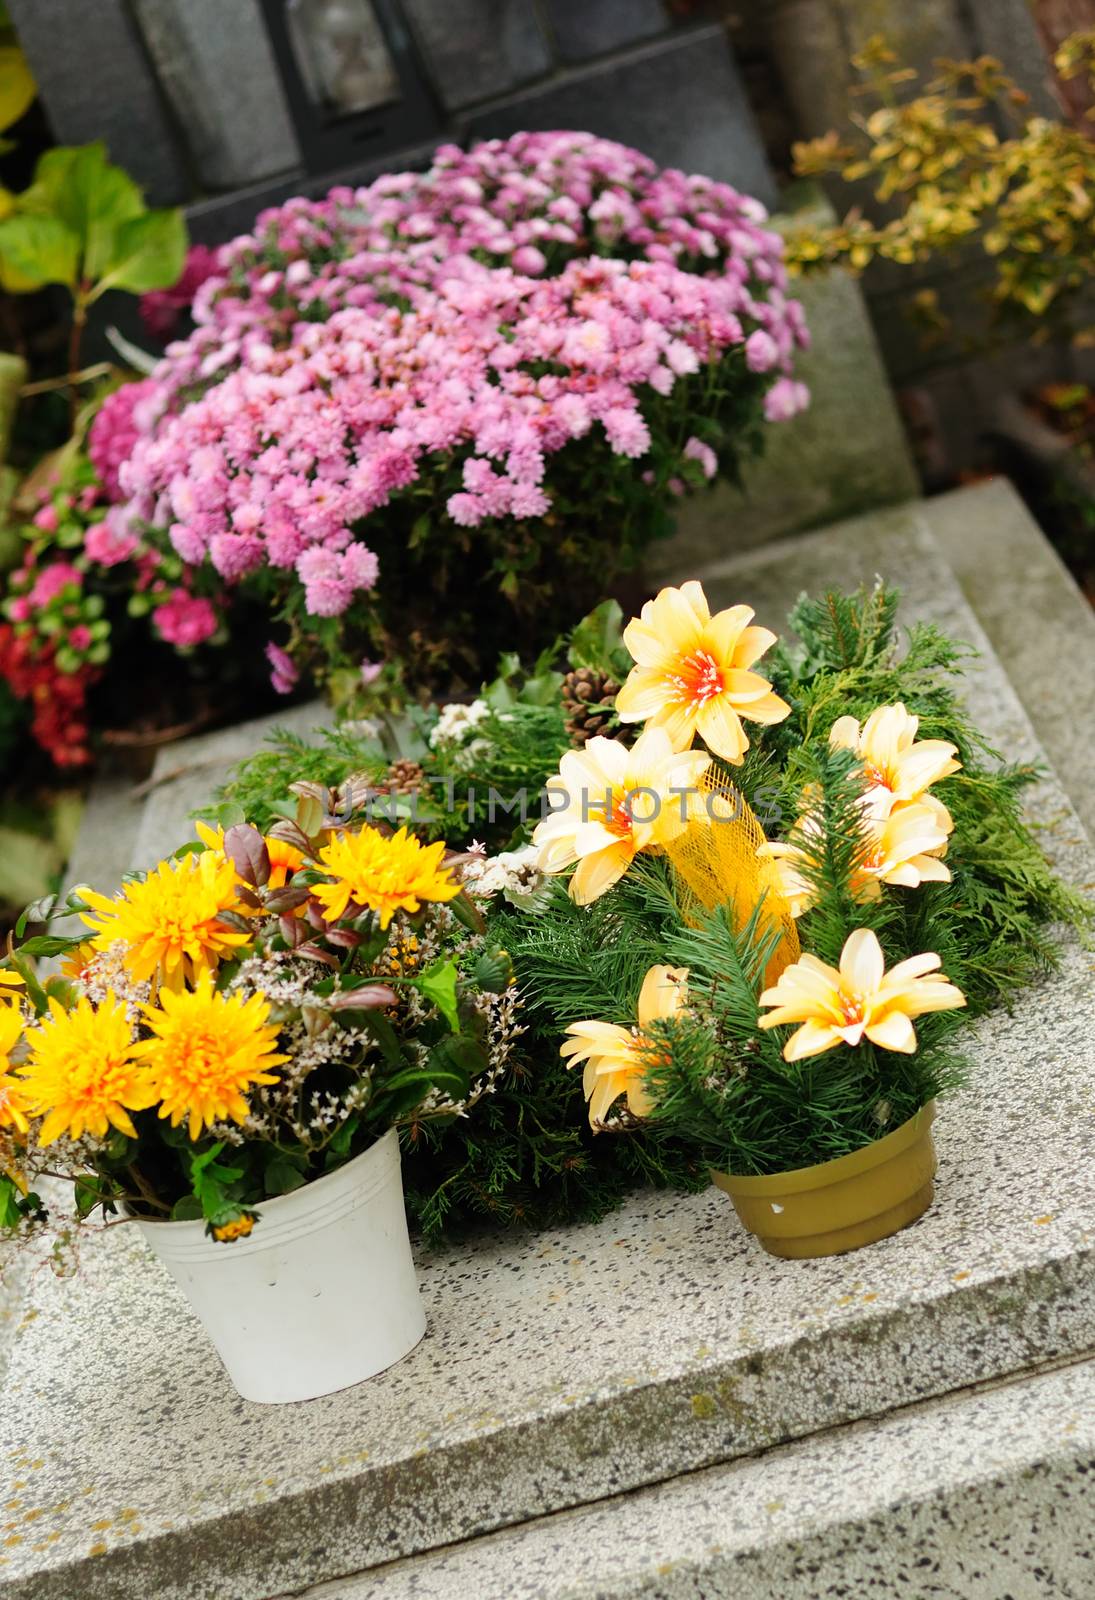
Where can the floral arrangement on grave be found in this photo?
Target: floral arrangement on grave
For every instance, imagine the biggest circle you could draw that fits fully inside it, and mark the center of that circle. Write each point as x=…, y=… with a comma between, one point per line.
x=243, y=1020
x=788, y=1002
x=418, y=418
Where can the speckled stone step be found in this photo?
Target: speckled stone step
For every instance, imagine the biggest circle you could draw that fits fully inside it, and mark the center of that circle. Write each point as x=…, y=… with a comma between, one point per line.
x=567, y=1367
x=979, y=1496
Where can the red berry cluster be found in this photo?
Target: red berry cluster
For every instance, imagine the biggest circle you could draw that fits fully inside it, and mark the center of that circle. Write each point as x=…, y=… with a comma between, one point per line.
x=58, y=698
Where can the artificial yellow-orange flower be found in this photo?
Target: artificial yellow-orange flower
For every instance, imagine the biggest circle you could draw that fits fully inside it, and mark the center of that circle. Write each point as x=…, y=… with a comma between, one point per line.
x=170, y=922
x=285, y=858
x=385, y=875
x=74, y=963
x=616, y=1059
x=206, y=1050
x=899, y=768
x=13, y=1104
x=692, y=672
x=609, y=802
x=903, y=847
x=9, y=983
x=238, y=1228
x=857, y=1001
x=81, y=1074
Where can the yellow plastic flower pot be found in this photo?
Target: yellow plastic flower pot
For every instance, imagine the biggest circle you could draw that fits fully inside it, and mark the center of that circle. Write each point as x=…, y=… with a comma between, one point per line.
x=843, y=1204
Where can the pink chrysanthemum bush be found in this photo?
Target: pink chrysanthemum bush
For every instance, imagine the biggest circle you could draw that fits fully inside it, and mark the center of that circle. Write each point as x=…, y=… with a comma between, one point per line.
x=418, y=416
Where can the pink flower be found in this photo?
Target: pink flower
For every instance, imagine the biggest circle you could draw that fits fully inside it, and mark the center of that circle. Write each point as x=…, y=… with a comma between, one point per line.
x=627, y=433
x=785, y=399
x=529, y=260
x=369, y=672
x=696, y=450
x=52, y=579
x=761, y=351
x=185, y=620
x=114, y=433
x=80, y=637
x=235, y=554
x=47, y=519
x=109, y=542
x=360, y=566
x=284, y=672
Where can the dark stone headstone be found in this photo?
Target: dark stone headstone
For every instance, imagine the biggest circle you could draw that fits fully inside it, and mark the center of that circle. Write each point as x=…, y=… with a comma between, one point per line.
x=680, y=100
x=478, y=48
x=217, y=67
x=584, y=28
x=97, y=83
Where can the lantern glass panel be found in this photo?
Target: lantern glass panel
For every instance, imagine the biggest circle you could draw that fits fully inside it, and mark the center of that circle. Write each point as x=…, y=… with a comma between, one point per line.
x=343, y=58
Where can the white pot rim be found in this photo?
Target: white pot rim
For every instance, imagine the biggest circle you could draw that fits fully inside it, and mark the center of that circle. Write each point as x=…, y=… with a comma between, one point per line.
x=284, y=1217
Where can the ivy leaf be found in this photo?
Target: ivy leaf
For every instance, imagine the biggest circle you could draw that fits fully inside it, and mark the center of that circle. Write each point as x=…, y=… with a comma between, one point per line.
x=597, y=641
x=438, y=985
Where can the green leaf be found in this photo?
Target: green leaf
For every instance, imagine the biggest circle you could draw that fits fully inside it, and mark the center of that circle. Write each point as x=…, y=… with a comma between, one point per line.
x=438, y=985
x=282, y=1176
x=94, y=200
x=17, y=86
x=90, y=1191
x=147, y=252
x=36, y=250
x=597, y=641
x=49, y=945
x=187, y=1209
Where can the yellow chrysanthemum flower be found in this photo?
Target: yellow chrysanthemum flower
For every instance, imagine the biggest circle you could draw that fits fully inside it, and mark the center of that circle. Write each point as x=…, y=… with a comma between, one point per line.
x=899, y=768
x=381, y=874
x=616, y=1059
x=13, y=1105
x=859, y=1001
x=81, y=1074
x=609, y=803
x=207, y=1049
x=692, y=672
x=170, y=921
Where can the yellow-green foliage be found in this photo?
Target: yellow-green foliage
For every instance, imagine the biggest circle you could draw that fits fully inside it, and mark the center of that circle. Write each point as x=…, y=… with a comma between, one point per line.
x=938, y=161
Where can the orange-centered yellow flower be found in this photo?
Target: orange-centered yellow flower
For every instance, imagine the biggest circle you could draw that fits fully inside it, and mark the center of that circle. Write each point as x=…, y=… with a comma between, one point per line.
x=692, y=672
x=609, y=802
x=902, y=847
x=385, y=875
x=206, y=1050
x=12, y=1093
x=616, y=1059
x=81, y=1074
x=899, y=768
x=170, y=921
x=860, y=1000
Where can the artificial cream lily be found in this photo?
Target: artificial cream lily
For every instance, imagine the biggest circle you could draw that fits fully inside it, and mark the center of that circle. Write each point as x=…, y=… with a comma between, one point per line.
x=609, y=802
x=616, y=1059
x=899, y=768
x=859, y=1001
x=692, y=672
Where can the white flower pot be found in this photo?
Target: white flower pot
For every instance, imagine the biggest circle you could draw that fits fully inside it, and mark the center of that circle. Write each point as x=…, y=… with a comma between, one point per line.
x=322, y=1294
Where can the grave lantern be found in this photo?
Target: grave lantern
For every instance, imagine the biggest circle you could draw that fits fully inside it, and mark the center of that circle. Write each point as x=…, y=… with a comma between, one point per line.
x=353, y=79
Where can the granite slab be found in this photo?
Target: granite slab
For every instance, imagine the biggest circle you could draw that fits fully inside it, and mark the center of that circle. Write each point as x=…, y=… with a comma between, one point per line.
x=569, y=1366
x=977, y=1496
x=1041, y=627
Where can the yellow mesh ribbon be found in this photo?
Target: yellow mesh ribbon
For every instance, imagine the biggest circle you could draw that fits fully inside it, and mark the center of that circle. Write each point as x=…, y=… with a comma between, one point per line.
x=715, y=861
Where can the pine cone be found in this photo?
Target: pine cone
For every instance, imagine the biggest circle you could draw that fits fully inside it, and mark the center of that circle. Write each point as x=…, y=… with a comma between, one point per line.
x=588, y=700
x=406, y=777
